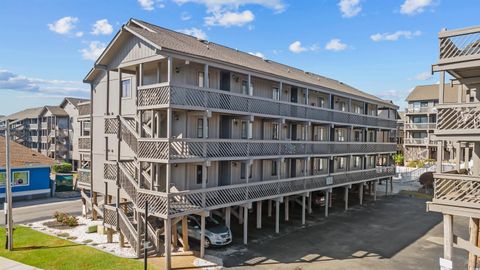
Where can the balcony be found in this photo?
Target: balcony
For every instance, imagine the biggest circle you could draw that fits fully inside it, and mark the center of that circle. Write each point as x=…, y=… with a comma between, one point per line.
x=459, y=45
x=420, y=125
x=421, y=110
x=418, y=141
x=186, y=202
x=220, y=149
x=194, y=98
x=458, y=119
x=84, y=143
x=457, y=190
x=83, y=178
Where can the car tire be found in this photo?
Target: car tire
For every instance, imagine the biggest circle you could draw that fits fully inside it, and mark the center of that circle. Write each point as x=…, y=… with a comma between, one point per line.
x=208, y=243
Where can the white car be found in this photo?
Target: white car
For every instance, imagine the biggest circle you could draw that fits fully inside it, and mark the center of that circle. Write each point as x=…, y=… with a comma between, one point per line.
x=216, y=234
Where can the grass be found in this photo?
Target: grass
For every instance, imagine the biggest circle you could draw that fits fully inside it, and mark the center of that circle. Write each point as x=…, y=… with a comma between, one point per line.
x=416, y=194
x=48, y=252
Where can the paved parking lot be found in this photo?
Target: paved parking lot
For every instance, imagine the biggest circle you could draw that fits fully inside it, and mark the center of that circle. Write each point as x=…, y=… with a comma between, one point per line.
x=394, y=232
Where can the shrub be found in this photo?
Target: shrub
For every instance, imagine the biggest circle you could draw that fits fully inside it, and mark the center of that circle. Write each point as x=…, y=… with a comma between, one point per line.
x=398, y=158
x=412, y=163
x=70, y=221
x=63, y=167
x=59, y=216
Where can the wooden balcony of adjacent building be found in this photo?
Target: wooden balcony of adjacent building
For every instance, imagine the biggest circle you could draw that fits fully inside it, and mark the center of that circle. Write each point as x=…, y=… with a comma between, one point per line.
x=458, y=120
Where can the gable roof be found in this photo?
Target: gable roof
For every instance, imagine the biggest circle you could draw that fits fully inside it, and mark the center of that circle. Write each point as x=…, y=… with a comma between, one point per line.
x=72, y=100
x=54, y=110
x=24, y=114
x=430, y=92
x=21, y=156
x=168, y=40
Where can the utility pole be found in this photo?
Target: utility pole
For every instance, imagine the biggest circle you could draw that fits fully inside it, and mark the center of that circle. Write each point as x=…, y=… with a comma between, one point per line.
x=8, y=190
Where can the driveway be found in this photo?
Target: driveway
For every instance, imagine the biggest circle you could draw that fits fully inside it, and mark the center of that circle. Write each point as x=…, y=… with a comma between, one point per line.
x=394, y=232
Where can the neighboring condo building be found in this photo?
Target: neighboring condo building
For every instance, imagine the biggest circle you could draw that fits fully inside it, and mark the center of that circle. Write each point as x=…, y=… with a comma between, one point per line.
x=193, y=127
x=457, y=193
x=400, y=132
x=420, y=122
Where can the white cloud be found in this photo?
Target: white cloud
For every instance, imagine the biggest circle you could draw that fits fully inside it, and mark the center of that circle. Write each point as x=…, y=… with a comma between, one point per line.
x=394, y=36
x=185, y=16
x=227, y=12
x=335, y=45
x=230, y=18
x=151, y=4
x=198, y=33
x=423, y=76
x=79, y=34
x=258, y=54
x=412, y=7
x=102, y=27
x=43, y=87
x=93, y=51
x=296, y=47
x=350, y=8
x=63, y=26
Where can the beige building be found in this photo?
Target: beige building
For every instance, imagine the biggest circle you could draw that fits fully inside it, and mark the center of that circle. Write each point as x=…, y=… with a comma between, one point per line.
x=457, y=193
x=196, y=128
x=420, y=121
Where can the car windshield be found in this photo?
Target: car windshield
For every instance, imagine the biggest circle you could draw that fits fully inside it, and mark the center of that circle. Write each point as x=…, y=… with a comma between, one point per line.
x=211, y=222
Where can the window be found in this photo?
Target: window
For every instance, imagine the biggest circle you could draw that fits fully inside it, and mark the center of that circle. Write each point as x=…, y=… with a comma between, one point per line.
x=320, y=101
x=317, y=165
x=357, y=162
x=276, y=93
x=86, y=128
x=341, y=163
x=357, y=135
x=126, y=88
x=274, y=168
x=244, y=130
x=275, y=131
x=201, y=79
x=200, y=128
x=318, y=133
x=243, y=168
x=244, y=88
x=199, y=174
x=341, y=135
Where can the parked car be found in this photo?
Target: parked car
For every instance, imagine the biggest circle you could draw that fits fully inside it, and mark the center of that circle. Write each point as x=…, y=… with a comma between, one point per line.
x=216, y=234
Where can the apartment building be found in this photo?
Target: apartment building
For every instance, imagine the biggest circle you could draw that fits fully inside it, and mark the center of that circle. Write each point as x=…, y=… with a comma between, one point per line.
x=195, y=128
x=50, y=130
x=400, y=132
x=457, y=193
x=421, y=121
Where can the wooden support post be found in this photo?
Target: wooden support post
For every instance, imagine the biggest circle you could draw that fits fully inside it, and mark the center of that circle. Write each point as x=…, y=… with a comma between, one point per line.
x=186, y=245
x=168, y=243
x=286, y=204
x=277, y=216
x=391, y=185
x=109, y=235
x=240, y=215
x=310, y=211
x=326, y=202
x=330, y=198
x=94, y=202
x=269, y=210
x=447, y=236
x=174, y=236
x=474, y=238
x=346, y=198
x=259, y=214
x=245, y=225
x=386, y=187
x=375, y=190
x=202, y=236
x=228, y=213
x=360, y=193
x=303, y=209
x=121, y=239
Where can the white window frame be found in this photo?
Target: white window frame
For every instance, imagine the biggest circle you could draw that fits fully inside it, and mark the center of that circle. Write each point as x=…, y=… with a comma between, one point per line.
x=130, y=92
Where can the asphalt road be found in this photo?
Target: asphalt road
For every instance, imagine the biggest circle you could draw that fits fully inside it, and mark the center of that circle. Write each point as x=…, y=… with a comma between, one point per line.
x=30, y=211
x=391, y=233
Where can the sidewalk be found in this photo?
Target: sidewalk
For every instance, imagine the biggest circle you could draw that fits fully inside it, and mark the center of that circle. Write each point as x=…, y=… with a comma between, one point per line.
x=6, y=264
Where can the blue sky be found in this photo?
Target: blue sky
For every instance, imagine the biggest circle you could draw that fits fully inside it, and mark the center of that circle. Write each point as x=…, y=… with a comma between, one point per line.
x=381, y=47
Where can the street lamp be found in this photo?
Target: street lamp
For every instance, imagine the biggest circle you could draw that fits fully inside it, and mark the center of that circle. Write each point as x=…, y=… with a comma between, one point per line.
x=8, y=190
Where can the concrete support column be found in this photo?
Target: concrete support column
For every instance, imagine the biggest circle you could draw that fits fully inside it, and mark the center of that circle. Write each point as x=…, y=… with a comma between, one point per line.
x=303, y=209
x=286, y=204
x=259, y=214
x=168, y=243
x=309, y=206
x=326, y=202
x=245, y=225
x=346, y=198
x=375, y=190
x=277, y=216
x=269, y=210
x=447, y=236
x=360, y=193
x=228, y=212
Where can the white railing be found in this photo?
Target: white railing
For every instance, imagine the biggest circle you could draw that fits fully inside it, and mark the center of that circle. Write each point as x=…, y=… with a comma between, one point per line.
x=458, y=118
x=420, y=125
x=459, y=45
x=191, y=97
x=177, y=149
x=418, y=141
x=420, y=110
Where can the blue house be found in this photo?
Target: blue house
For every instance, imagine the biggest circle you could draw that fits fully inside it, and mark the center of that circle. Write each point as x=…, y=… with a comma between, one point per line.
x=30, y=176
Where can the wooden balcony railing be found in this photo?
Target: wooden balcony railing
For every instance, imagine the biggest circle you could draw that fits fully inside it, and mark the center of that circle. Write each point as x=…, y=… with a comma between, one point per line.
x=191, y=97
x=185, y=149
x=185, y=202
x=83, y=178
x=458, y=119
x=84, y=143
x=459, y=45
x=457, y=190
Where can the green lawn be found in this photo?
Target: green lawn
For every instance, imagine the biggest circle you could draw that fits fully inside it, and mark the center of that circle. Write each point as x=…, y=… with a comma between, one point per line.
x=47, y=252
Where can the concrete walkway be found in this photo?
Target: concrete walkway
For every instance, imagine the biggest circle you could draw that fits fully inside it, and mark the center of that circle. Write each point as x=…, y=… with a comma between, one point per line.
x=6, y=264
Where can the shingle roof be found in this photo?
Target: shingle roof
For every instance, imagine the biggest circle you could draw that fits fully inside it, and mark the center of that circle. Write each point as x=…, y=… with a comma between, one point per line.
x=179, y=42
x=56, y=110
x=21, y=156
x=430, y=92
x=75, y=101
x=27, y=113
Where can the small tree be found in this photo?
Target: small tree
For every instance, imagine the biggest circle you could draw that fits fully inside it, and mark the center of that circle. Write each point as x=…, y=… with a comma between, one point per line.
x=63, y=167
x=398, y=158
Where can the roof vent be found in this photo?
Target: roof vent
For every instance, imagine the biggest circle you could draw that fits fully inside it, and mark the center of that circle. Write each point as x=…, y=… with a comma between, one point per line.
x=266, y=60
x=204, y=41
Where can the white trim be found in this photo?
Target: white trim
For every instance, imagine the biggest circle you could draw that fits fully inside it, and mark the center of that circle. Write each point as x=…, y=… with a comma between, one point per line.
x=27, y=193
